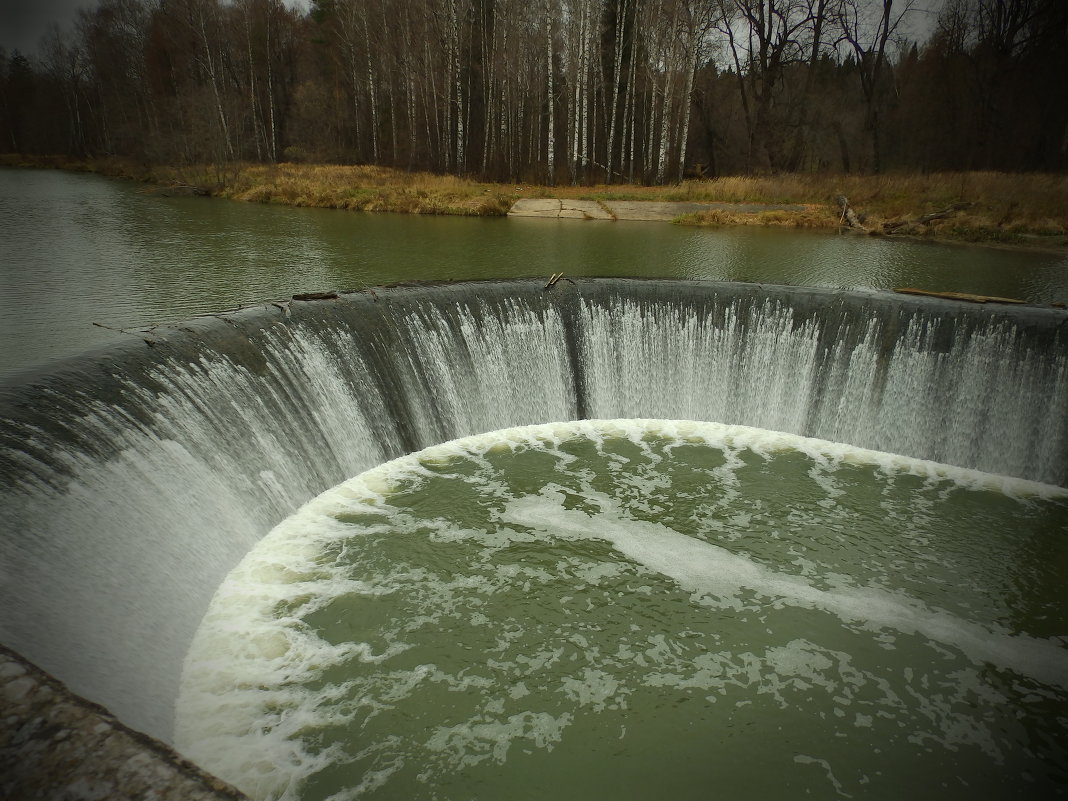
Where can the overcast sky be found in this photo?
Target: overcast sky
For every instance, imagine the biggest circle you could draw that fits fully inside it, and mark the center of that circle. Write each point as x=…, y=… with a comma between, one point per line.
x=24, y=22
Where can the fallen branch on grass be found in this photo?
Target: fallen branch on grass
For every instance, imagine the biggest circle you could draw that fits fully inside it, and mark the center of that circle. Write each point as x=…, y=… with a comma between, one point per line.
x=925, y=219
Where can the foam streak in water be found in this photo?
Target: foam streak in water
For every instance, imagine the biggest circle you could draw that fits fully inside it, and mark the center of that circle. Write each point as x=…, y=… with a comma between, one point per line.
x=709, y=570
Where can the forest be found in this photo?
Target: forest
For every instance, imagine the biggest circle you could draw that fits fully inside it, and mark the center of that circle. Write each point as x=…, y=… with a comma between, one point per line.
x=554, y=91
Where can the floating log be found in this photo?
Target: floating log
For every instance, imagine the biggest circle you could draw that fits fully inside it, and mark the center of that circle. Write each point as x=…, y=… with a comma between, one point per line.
x=958, y=296
x=553, y=280
x=316, y=296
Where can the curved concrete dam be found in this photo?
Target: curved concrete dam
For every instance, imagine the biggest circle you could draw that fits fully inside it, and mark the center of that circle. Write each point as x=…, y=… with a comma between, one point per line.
x=134, y=479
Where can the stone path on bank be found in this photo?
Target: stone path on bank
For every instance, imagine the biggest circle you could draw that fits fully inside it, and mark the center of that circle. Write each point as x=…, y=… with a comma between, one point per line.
x=652, y=210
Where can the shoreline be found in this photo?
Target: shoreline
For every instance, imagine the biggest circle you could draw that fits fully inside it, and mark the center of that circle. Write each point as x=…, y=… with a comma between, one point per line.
x=1025, y=212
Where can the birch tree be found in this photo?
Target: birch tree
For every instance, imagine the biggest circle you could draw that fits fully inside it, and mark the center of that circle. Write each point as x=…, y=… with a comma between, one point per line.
x=699, y=19
x=204, y=19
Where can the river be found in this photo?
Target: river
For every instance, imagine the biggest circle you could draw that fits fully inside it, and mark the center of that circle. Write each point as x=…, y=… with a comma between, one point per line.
x=80, y=252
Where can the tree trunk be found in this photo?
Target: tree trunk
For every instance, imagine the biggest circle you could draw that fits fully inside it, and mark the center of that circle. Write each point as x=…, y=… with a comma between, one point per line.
x=209, y=64
x=687, y=103
x=551, y=129
x=372, y=90
x=272, y=145
x=612, y=91
x=258, y=135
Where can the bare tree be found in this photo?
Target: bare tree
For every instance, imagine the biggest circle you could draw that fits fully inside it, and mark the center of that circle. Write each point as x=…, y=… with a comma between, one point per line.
x=65, y=61
x=764, y=36
x=866, y=28
x=818, y=11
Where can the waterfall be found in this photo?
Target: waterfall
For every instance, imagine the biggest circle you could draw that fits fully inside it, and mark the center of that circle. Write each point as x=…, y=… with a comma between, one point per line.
x=135, y=478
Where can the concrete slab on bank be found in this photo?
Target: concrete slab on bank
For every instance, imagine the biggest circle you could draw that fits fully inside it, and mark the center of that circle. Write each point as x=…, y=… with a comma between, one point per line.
x=650, y=210
x=555, y=207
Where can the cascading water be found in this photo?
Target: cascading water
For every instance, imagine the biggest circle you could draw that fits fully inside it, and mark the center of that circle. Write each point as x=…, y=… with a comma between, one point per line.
x=136, y=479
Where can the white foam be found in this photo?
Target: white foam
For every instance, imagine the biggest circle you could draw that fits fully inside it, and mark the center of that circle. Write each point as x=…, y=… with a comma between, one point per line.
x=485, y=737
x=708, y=570
x=242, y=704
x=728, y=438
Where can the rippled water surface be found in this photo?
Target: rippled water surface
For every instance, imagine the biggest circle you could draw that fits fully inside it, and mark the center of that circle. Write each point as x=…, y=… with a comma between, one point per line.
x=77, y=250
x=643, y=609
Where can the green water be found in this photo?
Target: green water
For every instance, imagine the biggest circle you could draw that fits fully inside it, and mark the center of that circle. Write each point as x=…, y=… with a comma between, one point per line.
x=77, y=250
x=639, y=610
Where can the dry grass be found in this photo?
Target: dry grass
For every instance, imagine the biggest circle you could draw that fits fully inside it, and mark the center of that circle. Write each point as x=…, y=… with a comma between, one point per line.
x=358, y=188
x=1013, y=208
x=1027, y=209
x=364, y=188
x=812, y=217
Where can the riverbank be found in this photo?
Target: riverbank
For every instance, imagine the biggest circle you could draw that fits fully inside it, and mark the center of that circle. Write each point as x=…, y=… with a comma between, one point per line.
x=1023, y=210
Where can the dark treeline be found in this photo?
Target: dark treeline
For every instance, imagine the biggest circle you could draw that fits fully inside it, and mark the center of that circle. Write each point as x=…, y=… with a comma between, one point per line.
x=554, y=90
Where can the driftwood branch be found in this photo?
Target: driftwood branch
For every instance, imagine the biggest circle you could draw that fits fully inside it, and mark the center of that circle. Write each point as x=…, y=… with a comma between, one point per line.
x=849, y=217
x=554, y=279
x=316, y=296
x=148, y=338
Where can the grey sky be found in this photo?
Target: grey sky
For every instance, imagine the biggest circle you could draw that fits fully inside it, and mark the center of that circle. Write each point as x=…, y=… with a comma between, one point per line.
x=24, y=22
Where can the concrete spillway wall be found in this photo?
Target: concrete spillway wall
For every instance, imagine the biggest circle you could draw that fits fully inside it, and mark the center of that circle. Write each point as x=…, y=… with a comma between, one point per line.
x=134, y=478
x=54, y=744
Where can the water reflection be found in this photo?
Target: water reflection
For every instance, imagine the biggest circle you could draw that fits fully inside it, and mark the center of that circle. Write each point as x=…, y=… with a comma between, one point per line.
x=77, y=249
